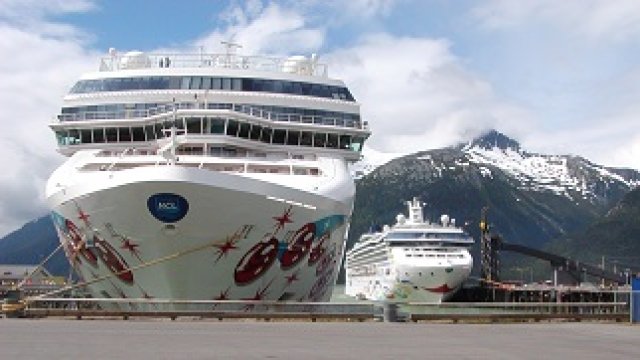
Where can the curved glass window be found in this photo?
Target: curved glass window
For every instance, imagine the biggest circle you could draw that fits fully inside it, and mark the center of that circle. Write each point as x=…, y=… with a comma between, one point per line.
x=212, y=83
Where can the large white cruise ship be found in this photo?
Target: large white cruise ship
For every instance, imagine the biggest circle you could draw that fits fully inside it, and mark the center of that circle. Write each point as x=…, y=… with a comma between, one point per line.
x=413, y=260
x=206, y=176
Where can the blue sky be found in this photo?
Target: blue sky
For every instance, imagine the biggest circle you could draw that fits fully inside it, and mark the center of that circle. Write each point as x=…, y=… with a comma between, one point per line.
x=559, y=76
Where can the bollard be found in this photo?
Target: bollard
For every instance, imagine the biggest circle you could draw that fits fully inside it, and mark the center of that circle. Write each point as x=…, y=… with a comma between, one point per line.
x=389, y=311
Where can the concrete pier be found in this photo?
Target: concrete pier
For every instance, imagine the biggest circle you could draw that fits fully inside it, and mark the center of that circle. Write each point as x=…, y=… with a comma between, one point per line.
x=206, y=339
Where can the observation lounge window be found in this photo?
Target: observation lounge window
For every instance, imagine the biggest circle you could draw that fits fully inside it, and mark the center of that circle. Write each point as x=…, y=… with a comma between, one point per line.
x=186, y=82
x=206, y=83
x=212, y=83
x=196, y=83
x=216, y=83
x=226, y=84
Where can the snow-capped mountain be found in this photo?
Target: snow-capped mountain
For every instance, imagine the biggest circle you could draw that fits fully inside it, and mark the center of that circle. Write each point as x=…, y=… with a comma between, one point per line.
x=533, y=198
x=570, y=176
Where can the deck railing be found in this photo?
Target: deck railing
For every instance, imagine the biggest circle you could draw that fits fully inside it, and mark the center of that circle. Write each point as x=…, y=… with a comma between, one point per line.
x=138, y=60
x=168, y=110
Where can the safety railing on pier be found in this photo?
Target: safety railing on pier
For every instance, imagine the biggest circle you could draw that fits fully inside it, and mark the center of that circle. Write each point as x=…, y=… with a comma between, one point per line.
x=220, y=309
x=312, y=311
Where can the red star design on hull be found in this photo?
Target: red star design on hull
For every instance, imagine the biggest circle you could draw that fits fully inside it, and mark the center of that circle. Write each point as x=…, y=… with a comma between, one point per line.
x=259, y=296
x=83, y=216
x=132, y=247
x=292, y=278
x=282, y=220
x=224, y=248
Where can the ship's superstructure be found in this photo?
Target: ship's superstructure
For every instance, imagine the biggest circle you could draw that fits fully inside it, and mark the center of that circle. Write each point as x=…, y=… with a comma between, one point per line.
x=412, y=260
x=206, y=176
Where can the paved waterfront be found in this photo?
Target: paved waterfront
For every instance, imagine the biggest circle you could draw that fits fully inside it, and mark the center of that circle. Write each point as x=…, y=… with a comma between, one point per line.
x=199, y=339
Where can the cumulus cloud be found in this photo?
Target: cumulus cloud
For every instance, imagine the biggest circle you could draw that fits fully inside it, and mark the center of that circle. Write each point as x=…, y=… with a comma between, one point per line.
x=269, y=29
x=38, y=67
x=594, y=19
x=417, y=95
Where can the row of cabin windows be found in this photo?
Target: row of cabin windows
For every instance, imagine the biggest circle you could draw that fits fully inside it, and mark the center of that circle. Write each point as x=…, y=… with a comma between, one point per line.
x=211, y=125
x=276, y=113
x=212, y=83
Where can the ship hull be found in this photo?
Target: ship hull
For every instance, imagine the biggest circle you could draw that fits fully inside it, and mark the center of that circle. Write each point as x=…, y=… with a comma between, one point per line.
x=238, y=239
x=411, y=282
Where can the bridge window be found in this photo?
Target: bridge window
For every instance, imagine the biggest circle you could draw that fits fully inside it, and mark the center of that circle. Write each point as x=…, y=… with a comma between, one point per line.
x=217, y=126
x=319, y=139
x=148, y=132
x=112, y=134
x=332, y=141
x=85, y=136
x=293, y=138
x=279, y=136
x=98, y=135
x=255, y=132
x=244, y=130
x=158, y=131
x=124, y=134
x=356, y=143
x=265, y=136
x=138, y=133
x=194, y=125
x=232, y=127
x=306, y=138
x=345, y=142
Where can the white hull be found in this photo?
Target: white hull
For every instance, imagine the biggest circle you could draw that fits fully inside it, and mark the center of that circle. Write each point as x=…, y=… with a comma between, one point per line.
x=410, y=282
x=241, y=238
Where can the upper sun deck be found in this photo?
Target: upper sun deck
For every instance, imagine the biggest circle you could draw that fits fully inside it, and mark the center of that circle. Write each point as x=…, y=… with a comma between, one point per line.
x=136, y=60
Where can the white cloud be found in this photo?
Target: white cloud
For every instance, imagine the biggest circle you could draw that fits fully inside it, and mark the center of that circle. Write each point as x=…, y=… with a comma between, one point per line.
x=417, y=95
x=592, y=19
x=39, y=65
x=265, y=30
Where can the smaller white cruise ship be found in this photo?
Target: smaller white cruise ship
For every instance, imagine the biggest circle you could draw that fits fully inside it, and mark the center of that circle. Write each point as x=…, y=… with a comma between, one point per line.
x=412, y=260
